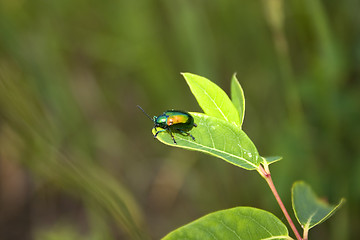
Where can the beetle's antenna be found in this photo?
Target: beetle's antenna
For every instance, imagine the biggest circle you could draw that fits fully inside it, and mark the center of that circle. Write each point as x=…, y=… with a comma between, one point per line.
x=145, y=113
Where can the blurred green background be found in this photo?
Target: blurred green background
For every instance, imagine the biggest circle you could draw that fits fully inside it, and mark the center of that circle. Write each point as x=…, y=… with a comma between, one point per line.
x=77, y=158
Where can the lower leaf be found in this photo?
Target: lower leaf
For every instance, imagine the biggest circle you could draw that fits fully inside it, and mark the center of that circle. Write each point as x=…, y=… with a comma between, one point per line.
x=235, y=223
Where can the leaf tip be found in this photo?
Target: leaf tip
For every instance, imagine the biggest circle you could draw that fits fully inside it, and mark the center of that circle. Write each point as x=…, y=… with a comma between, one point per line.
x=184, y=74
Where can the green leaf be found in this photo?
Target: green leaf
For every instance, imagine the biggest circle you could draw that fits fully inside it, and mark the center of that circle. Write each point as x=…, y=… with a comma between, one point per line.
x=238, y=98
x=218, y=138
x=212, y=99
x=235, y=223
x=272, y=159
x=309, y=209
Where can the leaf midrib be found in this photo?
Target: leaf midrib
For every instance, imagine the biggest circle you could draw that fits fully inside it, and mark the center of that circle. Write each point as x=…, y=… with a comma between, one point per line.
x=219, y=109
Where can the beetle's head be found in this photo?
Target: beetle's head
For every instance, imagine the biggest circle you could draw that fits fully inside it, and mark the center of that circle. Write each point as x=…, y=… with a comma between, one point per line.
x=160, y=121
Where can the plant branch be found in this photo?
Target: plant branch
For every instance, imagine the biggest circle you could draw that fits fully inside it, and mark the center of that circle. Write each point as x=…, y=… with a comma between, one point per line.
x=265, y=173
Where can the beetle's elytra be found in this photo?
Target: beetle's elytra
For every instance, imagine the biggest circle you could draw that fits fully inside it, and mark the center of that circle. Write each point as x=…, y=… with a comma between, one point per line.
x=173, y=121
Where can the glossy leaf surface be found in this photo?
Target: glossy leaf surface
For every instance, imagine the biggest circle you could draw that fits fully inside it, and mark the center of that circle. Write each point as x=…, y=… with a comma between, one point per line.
x=218, y=138
x=212, y=99
x=309, y=209
x=236, y=223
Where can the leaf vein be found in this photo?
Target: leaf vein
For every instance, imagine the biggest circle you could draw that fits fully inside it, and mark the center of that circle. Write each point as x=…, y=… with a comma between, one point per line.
x=255, y=221
x=230, y=229
x=219, y=109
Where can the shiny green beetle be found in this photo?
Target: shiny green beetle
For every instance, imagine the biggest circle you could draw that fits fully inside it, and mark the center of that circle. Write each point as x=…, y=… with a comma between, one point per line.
x=173, y=121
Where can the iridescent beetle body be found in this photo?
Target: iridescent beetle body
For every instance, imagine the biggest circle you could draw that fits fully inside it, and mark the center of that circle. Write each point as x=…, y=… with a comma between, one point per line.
x=173, y=121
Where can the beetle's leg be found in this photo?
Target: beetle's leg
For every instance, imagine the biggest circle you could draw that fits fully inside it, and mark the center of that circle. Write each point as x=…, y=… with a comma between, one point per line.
x=195, y=125
x=158, y=132
x=172, y=136
x=186, y=133
x=155, y=131
x=191, y=136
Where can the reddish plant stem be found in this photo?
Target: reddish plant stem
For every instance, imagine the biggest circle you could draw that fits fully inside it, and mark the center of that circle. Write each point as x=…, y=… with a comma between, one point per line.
x=266, y=174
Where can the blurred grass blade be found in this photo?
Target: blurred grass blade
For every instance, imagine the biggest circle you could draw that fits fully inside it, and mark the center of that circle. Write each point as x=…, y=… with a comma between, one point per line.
x=212, y=99
x=309, y=209
x=218, y=138
x=238, y=98
x=23, y=113
x=236, y=223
